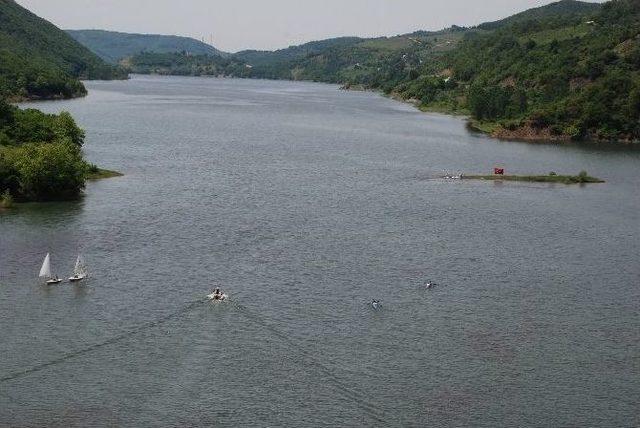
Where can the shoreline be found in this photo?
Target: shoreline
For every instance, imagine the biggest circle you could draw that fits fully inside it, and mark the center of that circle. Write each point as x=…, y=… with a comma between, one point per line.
x=102, y=174
x=20, y=100
x=494, y=130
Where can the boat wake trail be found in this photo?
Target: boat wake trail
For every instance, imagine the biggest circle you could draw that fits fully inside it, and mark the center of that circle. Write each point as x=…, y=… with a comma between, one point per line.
x=347, y=391
x=92, y=348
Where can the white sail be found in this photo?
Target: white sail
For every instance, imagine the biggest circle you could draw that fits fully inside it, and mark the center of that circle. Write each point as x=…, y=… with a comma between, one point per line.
x=80, y=268
x=45, y=270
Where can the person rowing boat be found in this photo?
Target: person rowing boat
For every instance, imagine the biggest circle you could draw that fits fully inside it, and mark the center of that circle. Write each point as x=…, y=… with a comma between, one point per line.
x=217, y=295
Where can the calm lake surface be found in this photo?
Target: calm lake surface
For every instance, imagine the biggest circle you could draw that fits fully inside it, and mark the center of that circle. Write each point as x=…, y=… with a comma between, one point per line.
x=304, y=203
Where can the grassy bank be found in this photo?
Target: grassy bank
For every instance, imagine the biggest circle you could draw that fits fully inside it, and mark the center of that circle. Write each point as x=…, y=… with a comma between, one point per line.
x=100, y=174
x=485, y=127
x=581, y=178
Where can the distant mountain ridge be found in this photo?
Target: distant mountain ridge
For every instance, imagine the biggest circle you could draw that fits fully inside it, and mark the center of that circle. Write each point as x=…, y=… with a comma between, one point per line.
x=38, y=60
x=114, y=46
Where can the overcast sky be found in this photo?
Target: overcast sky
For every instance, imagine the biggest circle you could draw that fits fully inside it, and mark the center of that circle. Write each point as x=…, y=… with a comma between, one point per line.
x=270, y=24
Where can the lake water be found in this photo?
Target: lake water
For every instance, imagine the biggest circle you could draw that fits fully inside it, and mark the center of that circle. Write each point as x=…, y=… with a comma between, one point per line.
x=304, y=203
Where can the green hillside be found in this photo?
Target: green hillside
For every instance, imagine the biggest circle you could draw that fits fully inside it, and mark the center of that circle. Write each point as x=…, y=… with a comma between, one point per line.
x=576, y=76
x=333, y=60
x=38, y=60
x=113, y=46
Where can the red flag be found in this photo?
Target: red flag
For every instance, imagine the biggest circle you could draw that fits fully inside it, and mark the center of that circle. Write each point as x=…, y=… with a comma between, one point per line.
x=498, y=171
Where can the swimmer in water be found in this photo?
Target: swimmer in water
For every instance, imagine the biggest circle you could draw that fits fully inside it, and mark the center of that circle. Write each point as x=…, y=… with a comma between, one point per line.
x=430, y=284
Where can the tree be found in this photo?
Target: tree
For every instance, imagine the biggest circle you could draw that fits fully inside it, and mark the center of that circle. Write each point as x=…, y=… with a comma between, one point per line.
x=48, y=171
x=6, y=113
x=65, y=128
x=489, y=102
x=634, y=103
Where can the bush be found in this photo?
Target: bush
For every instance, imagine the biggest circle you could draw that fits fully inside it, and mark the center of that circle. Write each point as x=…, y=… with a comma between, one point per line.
x=92, y=168
x=574, y=131
x=47, y=172
x=40, y=155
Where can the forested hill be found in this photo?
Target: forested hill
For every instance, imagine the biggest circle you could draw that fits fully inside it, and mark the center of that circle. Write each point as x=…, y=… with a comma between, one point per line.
x=571, y=76
x=114, y=46
x=38, y=60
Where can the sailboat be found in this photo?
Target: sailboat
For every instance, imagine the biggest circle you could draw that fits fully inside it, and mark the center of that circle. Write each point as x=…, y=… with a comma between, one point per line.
x=45, y=272
x=79, y=271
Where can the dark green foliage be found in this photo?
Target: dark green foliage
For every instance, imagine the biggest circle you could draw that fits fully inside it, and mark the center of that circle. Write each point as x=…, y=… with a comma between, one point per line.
x=40, y=155
x=112, y=46
x=493, y=102
x=31, y=78
x=25, y=126
x=44, y=172
x=557, y=71
x=551, y=71
x=38, y=60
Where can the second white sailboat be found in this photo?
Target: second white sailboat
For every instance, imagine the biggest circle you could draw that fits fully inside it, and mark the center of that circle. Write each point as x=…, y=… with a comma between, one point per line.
x=79, y=271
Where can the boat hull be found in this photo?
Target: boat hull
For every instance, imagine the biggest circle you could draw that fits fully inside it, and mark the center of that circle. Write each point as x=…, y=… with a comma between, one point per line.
x=214, y=298
x=53, y=281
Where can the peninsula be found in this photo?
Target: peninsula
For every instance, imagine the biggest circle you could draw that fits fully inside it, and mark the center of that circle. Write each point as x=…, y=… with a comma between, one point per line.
x=582, y=178
x=41, y=155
